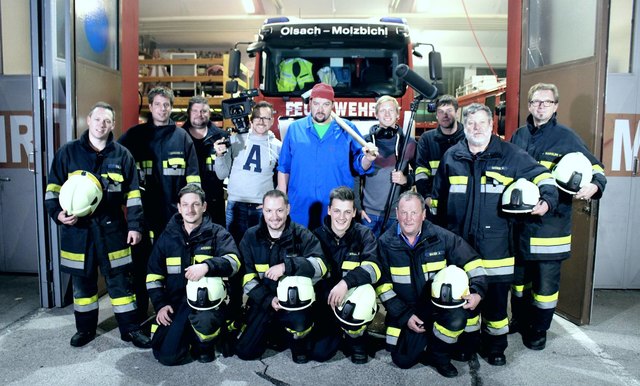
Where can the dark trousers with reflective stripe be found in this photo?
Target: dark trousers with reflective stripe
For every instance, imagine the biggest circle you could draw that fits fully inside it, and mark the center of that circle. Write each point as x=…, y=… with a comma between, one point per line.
x=327, y=338
x=140, y=254
x=171, y=344
x=119, y=285
x=537, y=278
x=493, y=308
x=270, y=326
x=413, y=347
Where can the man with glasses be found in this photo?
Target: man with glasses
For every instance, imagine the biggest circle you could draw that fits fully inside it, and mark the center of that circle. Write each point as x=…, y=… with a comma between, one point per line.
x=204, y=134
x=434, y=143
x=166, y=160
x=250, y=166
x=544, y=242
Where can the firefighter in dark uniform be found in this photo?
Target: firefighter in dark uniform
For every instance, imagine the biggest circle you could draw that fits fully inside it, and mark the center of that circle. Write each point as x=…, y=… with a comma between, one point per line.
x=103, y=238
x=350, y=249
x=166, y=160
x=411, y=254
x=467, y=195
x=275, y=249
x=191, y=247
x=434, y=143
x=204, y=135
x=543, y=243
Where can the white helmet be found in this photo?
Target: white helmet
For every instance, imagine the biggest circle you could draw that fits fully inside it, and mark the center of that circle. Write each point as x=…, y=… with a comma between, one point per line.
x=358, y=307
x=572, y=172
x=206, y=294
x=520, y=197
x=80, y=195
x=449, y=286
x=295, y=293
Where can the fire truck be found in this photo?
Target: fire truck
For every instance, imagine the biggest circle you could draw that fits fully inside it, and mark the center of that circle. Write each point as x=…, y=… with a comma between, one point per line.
x=357, y=57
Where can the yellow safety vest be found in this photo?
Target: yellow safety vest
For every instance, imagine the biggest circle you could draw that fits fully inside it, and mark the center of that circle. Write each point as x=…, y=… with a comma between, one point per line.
x=287, y=81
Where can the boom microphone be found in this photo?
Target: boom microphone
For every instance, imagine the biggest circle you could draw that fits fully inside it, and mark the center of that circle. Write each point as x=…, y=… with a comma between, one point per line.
x=416, y=81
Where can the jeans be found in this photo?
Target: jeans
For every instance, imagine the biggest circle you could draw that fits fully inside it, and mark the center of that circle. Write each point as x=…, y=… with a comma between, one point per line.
x=376, y=224
x=240, y=217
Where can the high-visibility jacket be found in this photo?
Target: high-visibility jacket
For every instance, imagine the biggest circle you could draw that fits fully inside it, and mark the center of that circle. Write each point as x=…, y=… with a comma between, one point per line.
x=549, y=237
x=167, y=161
x=467, y=193
x=431, y=148
x=287, y=80
x=407, y=274
x=100, y=238
x=176, y=250
x=297, y=248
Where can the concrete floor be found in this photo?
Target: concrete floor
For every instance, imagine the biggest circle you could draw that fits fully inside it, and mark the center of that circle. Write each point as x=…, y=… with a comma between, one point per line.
x=34, y=350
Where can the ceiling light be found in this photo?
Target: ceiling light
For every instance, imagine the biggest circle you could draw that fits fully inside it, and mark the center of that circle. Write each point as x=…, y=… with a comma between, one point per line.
x=248, y=6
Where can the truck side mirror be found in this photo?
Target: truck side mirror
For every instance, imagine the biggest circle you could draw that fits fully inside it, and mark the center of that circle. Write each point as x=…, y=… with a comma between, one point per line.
x=234, y=63
x=435, y=65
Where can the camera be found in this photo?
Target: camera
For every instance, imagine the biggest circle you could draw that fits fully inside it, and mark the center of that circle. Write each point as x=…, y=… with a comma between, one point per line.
x=238, y=110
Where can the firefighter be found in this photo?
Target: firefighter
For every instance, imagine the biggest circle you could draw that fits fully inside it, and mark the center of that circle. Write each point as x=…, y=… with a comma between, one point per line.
x=350, y=249
x=434, y=143
x=273, y=251
x=166, y=160
x=543, y=243
x=467, y=192
x=190, y=248
x=410, y=256
x=102, y=238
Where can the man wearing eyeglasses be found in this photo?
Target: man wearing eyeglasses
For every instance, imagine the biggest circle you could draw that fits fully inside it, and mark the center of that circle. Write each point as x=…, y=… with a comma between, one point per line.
x=544, y=242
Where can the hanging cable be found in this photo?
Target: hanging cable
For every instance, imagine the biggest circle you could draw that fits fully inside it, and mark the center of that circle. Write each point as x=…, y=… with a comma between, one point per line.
x=477, y=41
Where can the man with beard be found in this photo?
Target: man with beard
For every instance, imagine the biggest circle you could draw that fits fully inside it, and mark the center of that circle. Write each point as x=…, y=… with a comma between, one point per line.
x=543, y=243
x=467, y=192
x=205, y=135
x=317, y=156
x=272, y=251
x=434, y=143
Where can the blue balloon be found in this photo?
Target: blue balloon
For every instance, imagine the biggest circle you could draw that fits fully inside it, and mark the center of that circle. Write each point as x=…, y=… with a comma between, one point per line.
x=96, y=29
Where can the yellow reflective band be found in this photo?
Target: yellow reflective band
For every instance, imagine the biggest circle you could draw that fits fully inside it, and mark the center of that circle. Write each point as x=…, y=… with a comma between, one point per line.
x=498, y=324
x=85, y=301
x=174, y=161
x=119, y=254
x=434, y=164
x=235, y=258
x=473, y=321
x=424, y=170
x=393, y=331
x=193, y=179
x=458, y=180
x=548, y=164
x=53, y=188
x=72, y=256
x=323, y=267
x=134, y=194
x=518, y=287
x=434, y=203
x=114, y=176
x=248, y=277
x=470, y=266
x=384, y=288
x=349, y=265
x=204, y=337
x=446, y=332
x=174, y=261
x=542, y=177
x=434, y=266
x=123, y=300
x=375, y=268
x=545, y=298
x=504, y=180
x=597, y=168
x=300, y=333
x=210, y=159
x=262, y=267
x=506, y=262
x=201, y=258
x=147, y=164
x=153, y=277
x=154, y=327
x=401, y=271
x=547, y=241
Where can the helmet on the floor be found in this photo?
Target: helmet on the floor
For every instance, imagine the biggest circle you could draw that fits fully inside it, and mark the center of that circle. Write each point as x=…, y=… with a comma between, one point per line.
x=358, y=307
x=80, y=195
x=206, y=294
x=449, y=286
x=520, y=197
x=572, y=172
x=295, y=293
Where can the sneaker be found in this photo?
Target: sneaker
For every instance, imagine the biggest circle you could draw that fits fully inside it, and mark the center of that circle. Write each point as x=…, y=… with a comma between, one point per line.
x=79, y=339
x=137, y=338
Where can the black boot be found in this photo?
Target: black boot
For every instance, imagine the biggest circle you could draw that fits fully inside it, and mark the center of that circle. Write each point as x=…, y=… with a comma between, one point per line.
x=79, y=339
x=300, y=350
x=535, y=340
